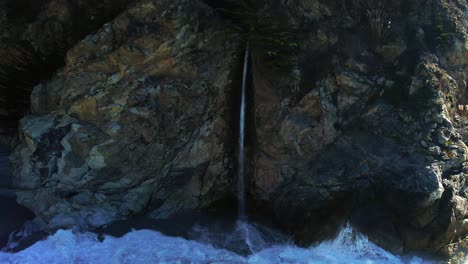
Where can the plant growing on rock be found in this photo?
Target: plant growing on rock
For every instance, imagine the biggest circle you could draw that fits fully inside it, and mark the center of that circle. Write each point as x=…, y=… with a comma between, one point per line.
x=379, y=23
x=443, y=31
x=271, y=39
x=377, y=17
x=273, y=42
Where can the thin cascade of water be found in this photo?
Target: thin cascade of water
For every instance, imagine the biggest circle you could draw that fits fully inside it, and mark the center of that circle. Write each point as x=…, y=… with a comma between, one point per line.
x=242, y=224
x=241, y=155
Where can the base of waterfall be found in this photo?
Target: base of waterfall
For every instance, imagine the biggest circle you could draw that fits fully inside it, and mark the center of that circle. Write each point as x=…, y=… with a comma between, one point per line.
x=148, y=246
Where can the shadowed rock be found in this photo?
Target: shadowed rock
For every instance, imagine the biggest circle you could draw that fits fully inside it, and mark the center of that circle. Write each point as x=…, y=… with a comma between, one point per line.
x=12, y=215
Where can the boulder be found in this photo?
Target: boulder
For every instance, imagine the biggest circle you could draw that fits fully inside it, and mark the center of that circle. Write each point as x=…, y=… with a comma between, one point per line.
x=137, y=121
x=336, y=141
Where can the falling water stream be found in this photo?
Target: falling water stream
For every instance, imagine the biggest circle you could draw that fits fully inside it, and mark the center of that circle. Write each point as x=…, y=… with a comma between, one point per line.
x=241, y=154
x=242, y=225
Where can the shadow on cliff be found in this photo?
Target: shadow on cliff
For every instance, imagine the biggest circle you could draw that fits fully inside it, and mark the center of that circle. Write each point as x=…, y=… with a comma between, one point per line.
x=38, y=48
x=13, y=215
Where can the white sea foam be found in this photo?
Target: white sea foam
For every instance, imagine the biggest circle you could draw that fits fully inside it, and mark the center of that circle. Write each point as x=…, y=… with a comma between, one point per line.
x=146, y=246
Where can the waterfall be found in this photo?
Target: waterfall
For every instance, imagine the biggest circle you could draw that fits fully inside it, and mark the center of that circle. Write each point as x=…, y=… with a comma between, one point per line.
x=241, y=154
x=242, y=225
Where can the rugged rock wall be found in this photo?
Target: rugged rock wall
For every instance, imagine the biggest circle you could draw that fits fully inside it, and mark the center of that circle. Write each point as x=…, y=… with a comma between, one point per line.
x=366, y=122
x=137, y=120
x=353, y=116
x=34, y=37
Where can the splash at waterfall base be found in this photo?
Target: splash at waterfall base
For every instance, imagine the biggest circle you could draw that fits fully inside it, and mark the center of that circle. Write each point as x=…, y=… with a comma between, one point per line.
x=145, y=246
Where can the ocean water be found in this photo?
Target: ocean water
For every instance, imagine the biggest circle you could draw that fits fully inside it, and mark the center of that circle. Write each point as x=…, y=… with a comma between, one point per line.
x=148, y=246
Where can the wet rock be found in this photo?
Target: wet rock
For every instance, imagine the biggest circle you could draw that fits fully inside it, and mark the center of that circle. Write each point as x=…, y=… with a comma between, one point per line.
x=13, y=214
x=13, y=217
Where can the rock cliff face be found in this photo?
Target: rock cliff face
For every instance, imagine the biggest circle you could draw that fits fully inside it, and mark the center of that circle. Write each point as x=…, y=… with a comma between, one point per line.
x=368, y=120
x=353, y=116
x=34, y=37
x=137, y=120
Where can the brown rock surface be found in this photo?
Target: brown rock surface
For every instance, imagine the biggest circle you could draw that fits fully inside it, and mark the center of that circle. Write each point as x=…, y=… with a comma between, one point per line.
x=137, y=121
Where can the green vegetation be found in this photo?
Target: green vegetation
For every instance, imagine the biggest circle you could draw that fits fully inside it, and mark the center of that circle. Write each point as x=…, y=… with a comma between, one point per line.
x=274, y=43
x=376, y=14
x=379, y=24
x=271, y=37
x=448, y=143
x=443, y=33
